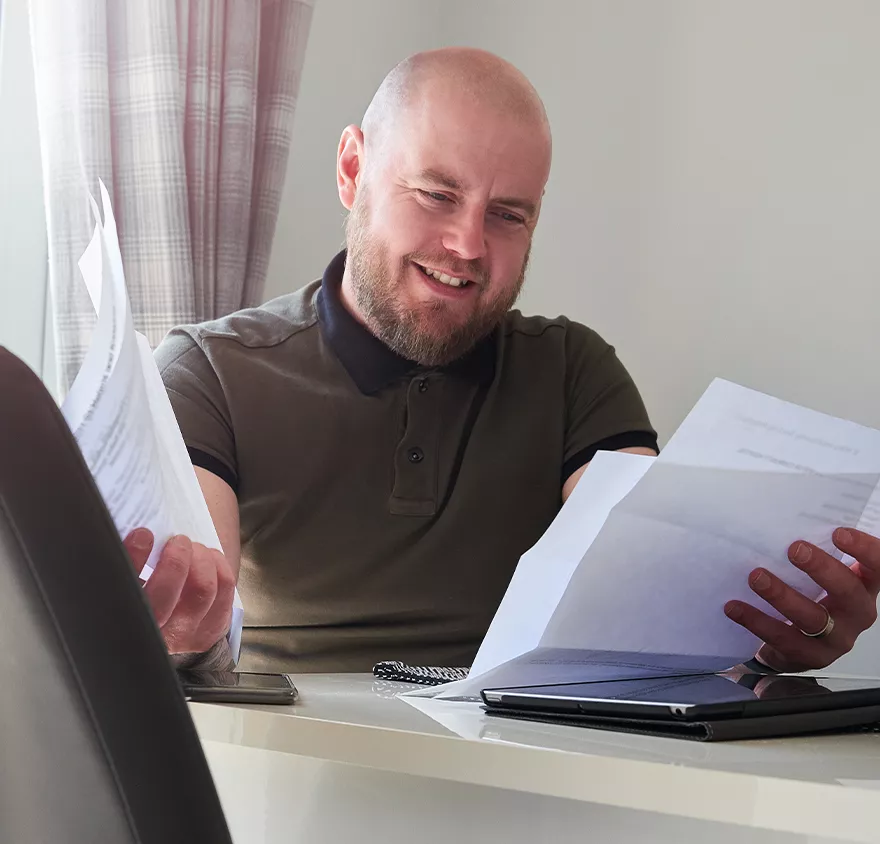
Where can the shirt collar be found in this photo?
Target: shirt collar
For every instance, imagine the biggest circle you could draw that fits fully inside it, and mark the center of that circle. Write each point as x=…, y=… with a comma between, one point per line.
x=370, y=363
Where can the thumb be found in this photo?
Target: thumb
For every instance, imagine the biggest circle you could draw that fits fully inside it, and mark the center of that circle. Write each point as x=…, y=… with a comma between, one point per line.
x=139, y=543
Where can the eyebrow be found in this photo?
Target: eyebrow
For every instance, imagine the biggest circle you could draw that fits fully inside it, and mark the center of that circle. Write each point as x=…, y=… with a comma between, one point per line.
x=443, y=180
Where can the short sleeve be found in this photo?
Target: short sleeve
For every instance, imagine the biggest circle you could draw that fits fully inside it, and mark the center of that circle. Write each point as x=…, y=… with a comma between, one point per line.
x=604, y=410
x=199, y=403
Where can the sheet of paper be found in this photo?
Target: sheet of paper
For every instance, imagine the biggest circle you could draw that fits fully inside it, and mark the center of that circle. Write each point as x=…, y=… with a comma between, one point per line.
x=467, y=722
x=782, y=444
x=550, y=666
x=544, y=571
x=122, y=419
x=744, y=476
x=108, y=413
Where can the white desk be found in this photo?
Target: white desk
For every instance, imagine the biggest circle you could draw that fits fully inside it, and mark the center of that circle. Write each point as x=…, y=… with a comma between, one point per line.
x=351, y=761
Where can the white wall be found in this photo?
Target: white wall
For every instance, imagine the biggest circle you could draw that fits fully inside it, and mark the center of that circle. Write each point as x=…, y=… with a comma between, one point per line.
x=23, y=262
x=714, y=205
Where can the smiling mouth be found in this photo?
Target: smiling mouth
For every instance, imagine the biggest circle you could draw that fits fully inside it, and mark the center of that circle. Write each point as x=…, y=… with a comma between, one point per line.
x=444, y=278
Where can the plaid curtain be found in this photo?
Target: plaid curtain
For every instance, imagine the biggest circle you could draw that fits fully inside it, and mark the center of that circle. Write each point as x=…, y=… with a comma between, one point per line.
x=184, y=108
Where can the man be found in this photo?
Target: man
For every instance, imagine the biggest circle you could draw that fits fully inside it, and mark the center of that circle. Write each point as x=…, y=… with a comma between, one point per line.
x=378, y=449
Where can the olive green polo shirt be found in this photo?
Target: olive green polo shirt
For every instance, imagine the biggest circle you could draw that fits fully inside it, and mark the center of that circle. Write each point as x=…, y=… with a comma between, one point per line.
x=384, y=505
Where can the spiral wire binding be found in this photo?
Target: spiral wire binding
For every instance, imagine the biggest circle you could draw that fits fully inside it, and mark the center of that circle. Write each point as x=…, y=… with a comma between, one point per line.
x=423, y=675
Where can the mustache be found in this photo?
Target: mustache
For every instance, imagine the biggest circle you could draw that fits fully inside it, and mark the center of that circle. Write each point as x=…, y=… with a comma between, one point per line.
x=473, y=270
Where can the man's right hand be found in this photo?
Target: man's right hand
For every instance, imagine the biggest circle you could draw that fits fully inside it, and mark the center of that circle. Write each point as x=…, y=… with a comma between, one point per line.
x=190, y=592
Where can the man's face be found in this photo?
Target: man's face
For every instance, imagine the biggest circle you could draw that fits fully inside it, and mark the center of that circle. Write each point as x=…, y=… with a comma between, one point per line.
x=441, y=226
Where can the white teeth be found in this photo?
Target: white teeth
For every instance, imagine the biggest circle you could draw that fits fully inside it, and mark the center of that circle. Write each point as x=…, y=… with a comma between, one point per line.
x=446, y=279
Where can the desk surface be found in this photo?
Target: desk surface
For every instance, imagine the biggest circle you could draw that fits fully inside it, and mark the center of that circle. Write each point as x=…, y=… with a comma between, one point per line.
x=821, y=786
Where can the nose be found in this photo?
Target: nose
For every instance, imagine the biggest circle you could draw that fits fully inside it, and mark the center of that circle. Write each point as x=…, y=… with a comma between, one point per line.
x=465, y=235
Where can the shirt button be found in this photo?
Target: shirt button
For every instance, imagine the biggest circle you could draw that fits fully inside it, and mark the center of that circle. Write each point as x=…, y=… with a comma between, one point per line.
x=423, y=385
x=416, y=455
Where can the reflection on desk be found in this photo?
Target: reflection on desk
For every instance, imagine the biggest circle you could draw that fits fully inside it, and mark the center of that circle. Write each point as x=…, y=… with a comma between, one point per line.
x=810, y=788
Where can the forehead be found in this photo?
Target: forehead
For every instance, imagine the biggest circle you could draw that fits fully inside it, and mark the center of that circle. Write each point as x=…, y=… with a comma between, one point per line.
x=485, y=150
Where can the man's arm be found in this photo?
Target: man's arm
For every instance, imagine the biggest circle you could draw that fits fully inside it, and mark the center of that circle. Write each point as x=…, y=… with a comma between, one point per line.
x=191, y=590
x=603, y=408
x=571, y=483
x=223, y=507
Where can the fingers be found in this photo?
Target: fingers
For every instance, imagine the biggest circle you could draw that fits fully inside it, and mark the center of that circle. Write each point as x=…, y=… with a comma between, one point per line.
x=800, y=610
x=200, y=588
x=787, y=648
x=195, y=600
x=191, y=593
x=851, y=601
x=203, y=611
x=849, y=598
x=835, y=577
x=866, y=550
x=164, y=588
x=216, y=621
x=139, y=544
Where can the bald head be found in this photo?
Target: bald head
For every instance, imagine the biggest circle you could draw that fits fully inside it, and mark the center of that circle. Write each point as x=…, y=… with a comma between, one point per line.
x=477, y=76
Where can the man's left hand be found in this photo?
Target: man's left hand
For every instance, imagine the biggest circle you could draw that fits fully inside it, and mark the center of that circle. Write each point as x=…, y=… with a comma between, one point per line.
x=850, y=600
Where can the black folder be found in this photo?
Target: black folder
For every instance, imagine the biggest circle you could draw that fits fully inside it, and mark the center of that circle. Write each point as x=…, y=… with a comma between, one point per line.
x=713, y=707
x=726, y=729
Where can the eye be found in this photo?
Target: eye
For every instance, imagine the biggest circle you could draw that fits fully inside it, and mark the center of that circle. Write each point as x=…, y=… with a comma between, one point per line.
x=434, y=196
x=508, y=217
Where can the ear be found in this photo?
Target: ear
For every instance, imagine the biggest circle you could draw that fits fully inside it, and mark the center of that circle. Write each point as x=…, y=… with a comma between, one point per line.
x=349, y=164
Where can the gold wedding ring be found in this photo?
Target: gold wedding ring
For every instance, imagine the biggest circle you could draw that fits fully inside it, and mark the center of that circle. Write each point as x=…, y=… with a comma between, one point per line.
x=826, y=630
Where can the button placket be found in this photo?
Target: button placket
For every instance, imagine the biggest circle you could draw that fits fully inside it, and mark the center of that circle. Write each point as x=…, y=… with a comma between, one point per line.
x=416, y=454
x=415, y=468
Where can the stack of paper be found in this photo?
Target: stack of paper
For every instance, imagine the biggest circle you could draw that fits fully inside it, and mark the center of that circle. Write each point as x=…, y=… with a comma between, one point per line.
x=120, y=415
x=632, y=577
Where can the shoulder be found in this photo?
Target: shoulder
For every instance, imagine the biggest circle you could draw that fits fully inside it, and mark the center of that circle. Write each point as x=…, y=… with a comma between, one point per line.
x=246, y=331
x=266, y=325
x=570, y=338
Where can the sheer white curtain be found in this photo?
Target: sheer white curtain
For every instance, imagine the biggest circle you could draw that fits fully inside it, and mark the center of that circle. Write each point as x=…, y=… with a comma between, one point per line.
x=184, y=108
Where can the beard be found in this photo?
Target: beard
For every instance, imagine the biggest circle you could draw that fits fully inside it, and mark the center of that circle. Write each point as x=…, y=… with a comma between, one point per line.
x=429, y=333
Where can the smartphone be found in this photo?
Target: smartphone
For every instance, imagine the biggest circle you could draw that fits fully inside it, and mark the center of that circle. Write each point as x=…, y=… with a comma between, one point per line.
x=237, y=687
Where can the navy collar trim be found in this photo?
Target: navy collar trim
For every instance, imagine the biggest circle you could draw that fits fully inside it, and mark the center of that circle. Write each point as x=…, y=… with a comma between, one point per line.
x=370, y=363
